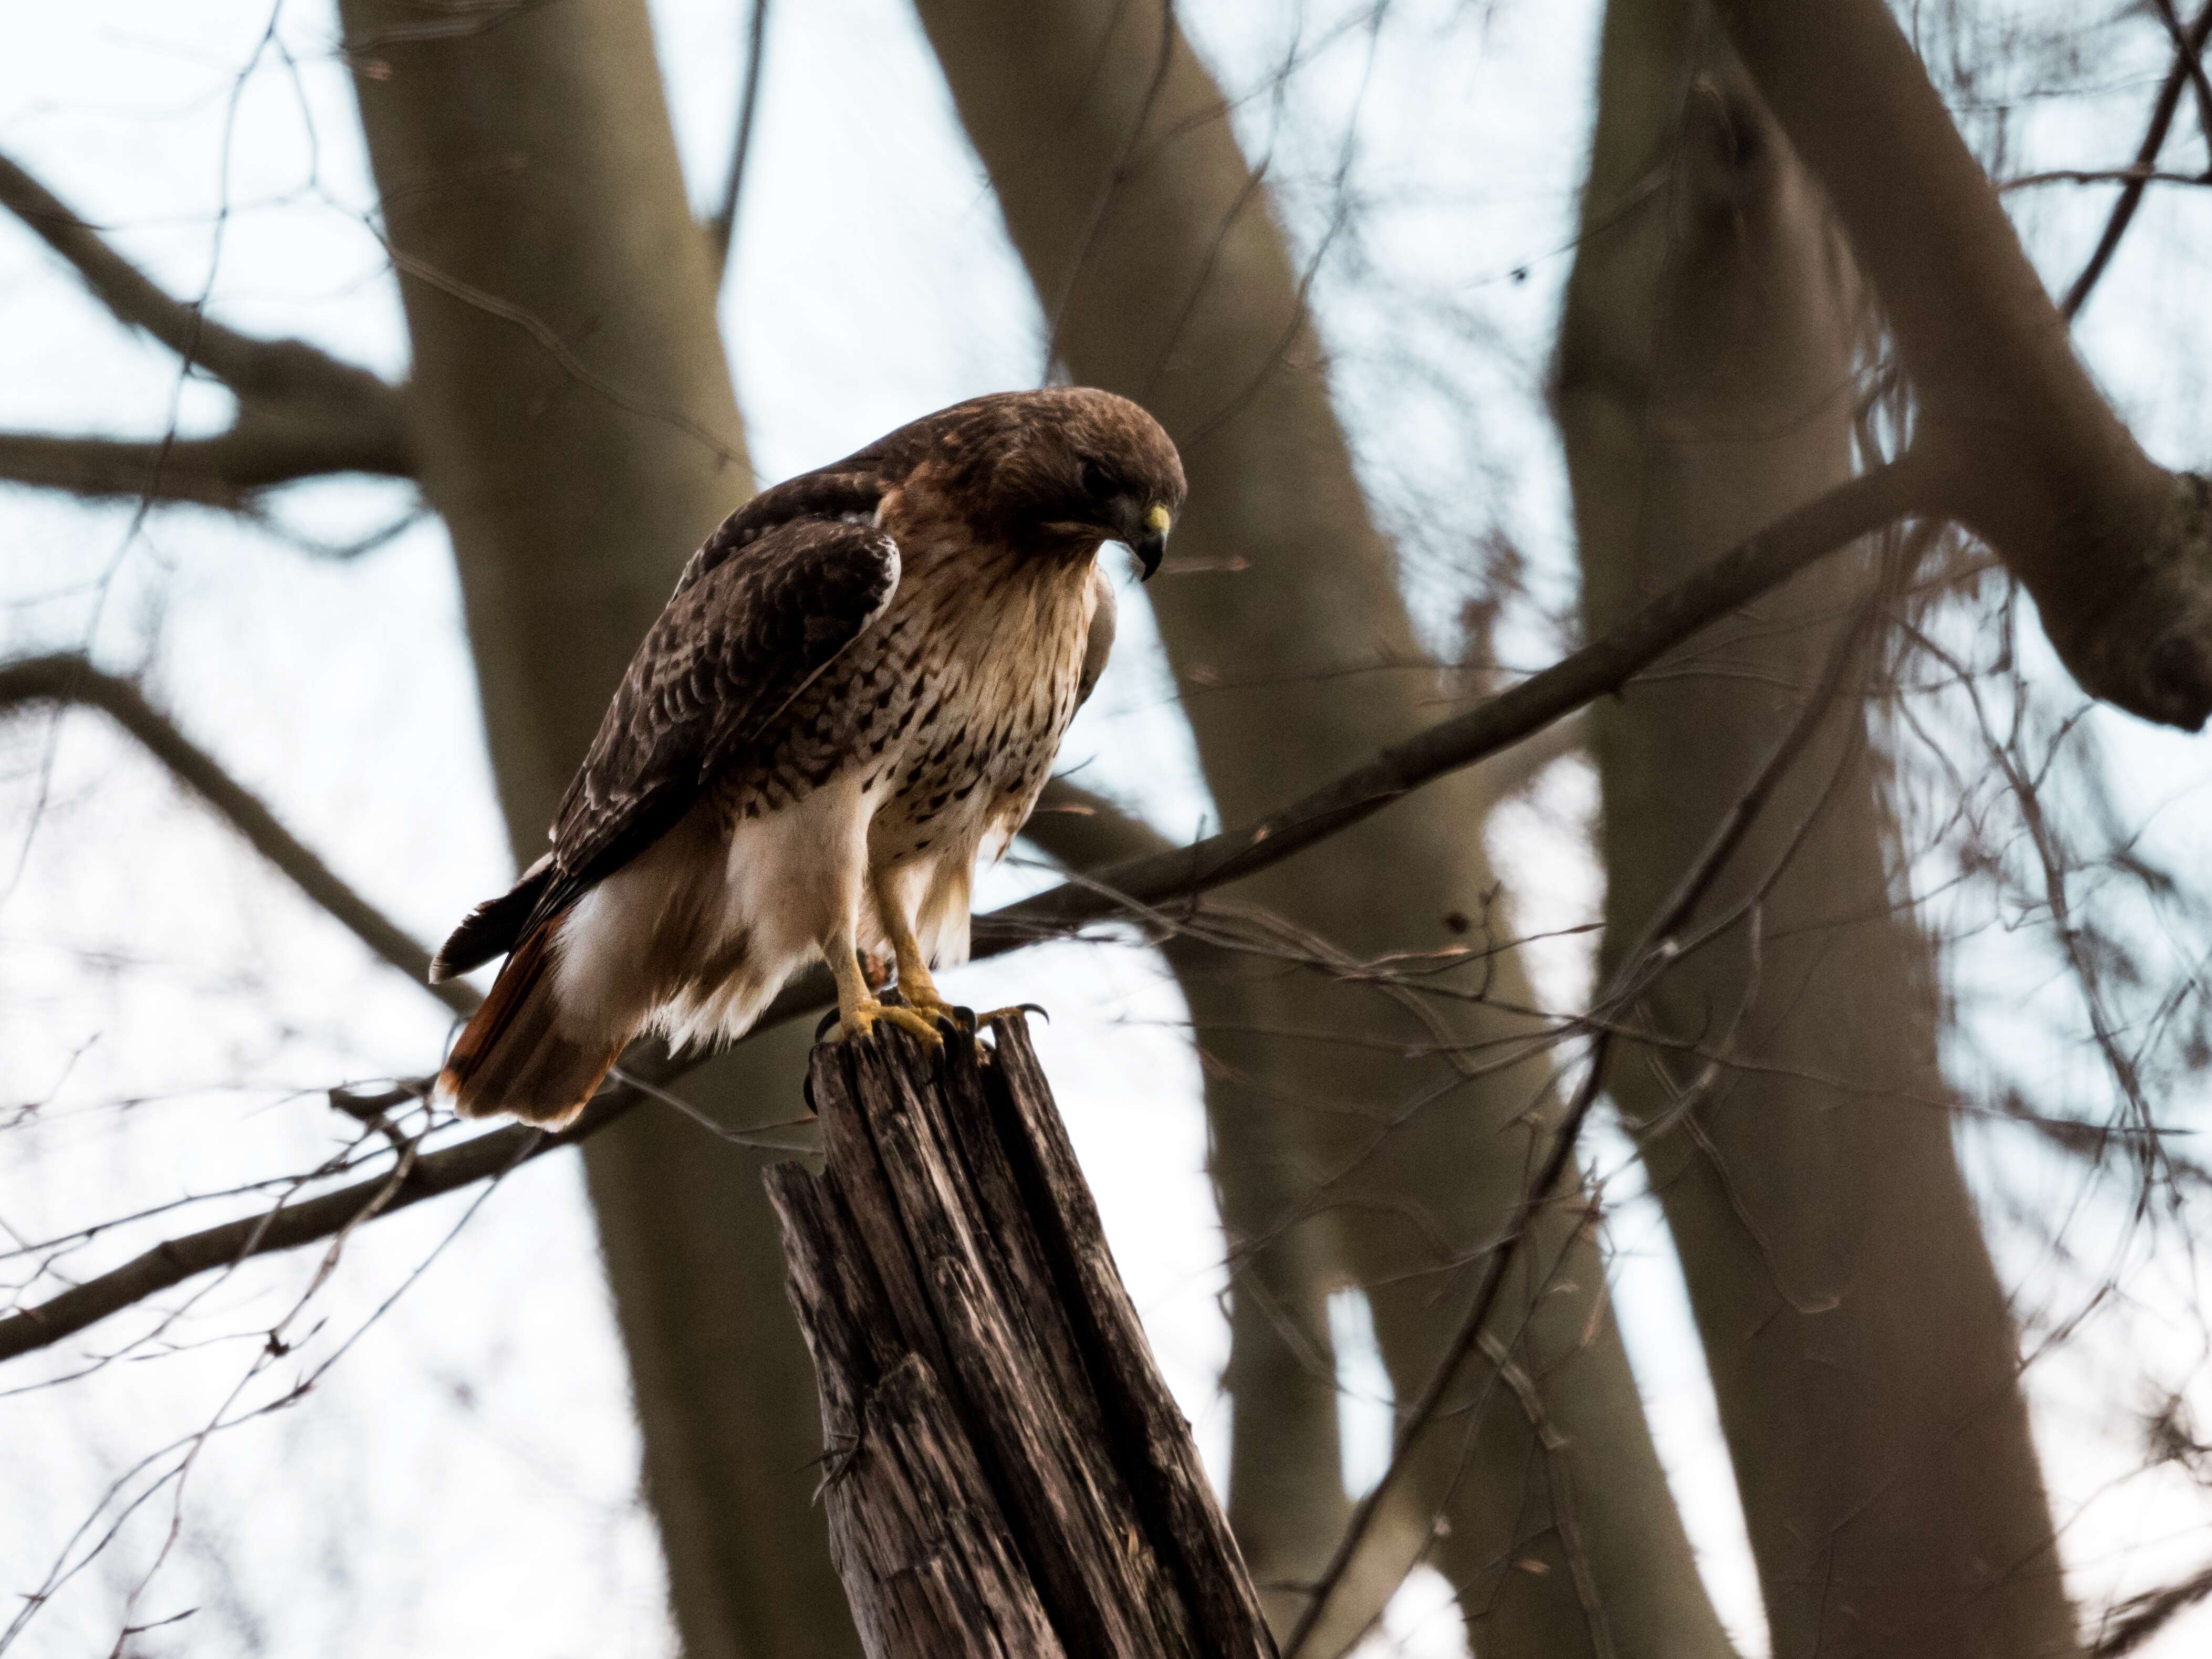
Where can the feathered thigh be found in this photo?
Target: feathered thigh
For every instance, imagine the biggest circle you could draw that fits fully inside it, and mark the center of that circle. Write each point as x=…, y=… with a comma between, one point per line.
x=694, y=936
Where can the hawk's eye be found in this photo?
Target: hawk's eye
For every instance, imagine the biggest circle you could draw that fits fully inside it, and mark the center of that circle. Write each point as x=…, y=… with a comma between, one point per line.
x=1098, y=483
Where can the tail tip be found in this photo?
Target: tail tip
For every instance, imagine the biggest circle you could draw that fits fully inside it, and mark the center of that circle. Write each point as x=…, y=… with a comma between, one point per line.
x=446, y=1094
x=449, y=1093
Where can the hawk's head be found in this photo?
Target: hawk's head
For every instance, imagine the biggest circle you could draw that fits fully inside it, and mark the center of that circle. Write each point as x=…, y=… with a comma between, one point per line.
x=1060, y=469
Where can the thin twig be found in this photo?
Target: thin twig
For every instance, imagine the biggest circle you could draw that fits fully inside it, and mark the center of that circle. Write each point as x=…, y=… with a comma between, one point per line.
x=550, y=341
x=2188, y=51
x=2191, y=57
x=2127, y=175
x=722, y=229
x=2136, y=1621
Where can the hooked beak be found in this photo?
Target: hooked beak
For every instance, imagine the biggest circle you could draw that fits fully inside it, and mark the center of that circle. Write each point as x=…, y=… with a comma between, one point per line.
x=1152, y=547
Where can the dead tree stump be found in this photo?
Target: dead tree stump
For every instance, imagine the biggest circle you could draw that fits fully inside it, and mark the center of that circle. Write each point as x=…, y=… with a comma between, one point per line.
x=1006, y=1474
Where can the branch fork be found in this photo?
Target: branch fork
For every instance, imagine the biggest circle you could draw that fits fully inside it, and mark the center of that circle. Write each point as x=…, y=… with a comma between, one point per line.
x=302, y=413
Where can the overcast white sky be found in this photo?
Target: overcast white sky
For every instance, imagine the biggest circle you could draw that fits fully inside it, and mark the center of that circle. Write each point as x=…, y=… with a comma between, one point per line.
x=465, y=1480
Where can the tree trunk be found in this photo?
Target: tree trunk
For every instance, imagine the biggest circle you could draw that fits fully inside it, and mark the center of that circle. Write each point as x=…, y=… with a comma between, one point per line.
x=1168, y=279
x=1007, y=1472
x=573, y=417
x=1858, y=1339
x=1286, y=1496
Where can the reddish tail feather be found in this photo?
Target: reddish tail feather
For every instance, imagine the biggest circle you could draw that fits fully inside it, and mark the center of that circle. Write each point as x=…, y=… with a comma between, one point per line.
x=511, y=1056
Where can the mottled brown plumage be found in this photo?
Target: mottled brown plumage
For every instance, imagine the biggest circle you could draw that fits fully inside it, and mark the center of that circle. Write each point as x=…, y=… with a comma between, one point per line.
x=859, y=684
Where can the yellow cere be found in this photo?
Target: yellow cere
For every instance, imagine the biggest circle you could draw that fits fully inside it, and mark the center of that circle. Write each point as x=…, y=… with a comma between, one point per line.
x=1158, y=520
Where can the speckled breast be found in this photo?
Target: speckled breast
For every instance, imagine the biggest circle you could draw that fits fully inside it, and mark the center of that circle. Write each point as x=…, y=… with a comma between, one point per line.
x=957, y=698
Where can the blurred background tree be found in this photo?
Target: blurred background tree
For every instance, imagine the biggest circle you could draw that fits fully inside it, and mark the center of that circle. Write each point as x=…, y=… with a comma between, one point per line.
x=1871, y=1325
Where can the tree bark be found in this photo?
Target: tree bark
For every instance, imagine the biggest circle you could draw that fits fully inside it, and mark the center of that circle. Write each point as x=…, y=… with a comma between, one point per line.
x=1858, y=1339
x=2116, y=550
x=1007, y=1472
x=1166, y=277
x=1286, y=1499
x=571, y=414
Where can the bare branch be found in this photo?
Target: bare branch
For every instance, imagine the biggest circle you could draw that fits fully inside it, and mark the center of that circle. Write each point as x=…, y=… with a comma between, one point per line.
x=226, y=471
x=1081, y=830
x=2142, y=1617
x=302, y=413
x=70, y=681
x=721, y=229
x=288, y=372
x=1833, y=521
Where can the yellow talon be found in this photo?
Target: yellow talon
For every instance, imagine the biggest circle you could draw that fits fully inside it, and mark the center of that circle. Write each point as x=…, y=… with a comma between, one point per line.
x=928, y=1002
x=859, y=1010
x=860, y=1020
x=917, y=988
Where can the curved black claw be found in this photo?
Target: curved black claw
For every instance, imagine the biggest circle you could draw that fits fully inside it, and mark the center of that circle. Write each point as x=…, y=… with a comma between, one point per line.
x=1035, y=1008
x=825, y=1024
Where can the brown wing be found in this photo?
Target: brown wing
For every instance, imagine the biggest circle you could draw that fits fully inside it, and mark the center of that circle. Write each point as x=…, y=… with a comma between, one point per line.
x=733, y=648
x=738, y=641
x=849, y=491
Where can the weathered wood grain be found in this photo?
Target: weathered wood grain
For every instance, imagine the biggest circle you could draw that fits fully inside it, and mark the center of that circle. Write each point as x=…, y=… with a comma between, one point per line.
x=1160, y=1458
x=1007, y=1473
x=915, y=1533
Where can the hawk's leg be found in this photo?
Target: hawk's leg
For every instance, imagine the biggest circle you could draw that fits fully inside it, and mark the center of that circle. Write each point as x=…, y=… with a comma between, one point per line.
x=914, y=982
x=858, y=1009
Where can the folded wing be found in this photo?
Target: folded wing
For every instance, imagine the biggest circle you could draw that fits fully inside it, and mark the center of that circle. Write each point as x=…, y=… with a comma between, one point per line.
x=741, y=639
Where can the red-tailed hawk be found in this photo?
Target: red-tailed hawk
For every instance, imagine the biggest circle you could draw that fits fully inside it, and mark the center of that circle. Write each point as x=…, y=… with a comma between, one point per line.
x=858, y=687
